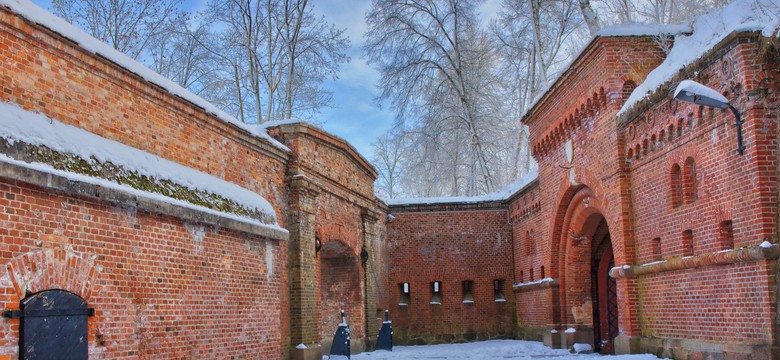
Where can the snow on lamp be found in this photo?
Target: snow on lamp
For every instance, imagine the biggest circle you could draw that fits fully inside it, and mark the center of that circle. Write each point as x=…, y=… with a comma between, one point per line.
x=693, y=92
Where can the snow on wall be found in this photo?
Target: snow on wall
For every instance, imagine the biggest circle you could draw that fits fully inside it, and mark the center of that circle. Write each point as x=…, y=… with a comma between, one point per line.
x=709, y=30
x=45, y=168
x=19, y=125
x=498, y=195
x=36, y=14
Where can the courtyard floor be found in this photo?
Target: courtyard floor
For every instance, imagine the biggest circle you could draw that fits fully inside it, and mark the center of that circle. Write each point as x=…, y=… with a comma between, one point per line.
x=494, y=349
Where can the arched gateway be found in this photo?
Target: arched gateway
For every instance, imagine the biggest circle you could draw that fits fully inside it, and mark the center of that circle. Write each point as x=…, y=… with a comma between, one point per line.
x=582, y=260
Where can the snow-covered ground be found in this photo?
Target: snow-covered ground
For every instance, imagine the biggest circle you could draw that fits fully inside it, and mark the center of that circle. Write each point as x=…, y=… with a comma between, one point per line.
x=493, y=349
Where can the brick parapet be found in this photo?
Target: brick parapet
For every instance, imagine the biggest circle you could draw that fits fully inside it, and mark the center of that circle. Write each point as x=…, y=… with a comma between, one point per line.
x=49, y=74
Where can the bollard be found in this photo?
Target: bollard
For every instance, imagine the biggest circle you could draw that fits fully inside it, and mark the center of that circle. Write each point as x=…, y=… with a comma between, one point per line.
x=340, y=346
x=384, y=340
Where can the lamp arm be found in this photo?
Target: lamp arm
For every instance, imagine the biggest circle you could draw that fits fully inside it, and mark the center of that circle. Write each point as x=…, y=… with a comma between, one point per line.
x=740, y=146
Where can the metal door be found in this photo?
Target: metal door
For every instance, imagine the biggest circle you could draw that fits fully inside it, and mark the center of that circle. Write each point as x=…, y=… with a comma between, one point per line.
x=53, y=326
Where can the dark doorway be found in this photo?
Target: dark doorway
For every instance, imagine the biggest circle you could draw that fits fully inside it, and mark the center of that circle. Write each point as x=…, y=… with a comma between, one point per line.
x=605, y=301
x=53, y=326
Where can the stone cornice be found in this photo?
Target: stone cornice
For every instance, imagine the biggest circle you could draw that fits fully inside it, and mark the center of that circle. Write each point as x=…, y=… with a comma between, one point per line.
x=745, y=254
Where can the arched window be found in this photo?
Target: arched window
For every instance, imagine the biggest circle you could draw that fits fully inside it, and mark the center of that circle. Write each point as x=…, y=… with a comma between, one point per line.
x=689, y=180
x=676, y=186
x=628, y=88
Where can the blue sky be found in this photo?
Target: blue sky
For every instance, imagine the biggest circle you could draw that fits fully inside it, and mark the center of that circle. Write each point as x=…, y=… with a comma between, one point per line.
x=355, y=116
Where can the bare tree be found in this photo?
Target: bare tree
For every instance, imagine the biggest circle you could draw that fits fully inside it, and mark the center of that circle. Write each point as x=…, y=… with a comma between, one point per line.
x=128, y=26
x=178, y=54
x=285, y=54
x=435, y=66
x=388, y=159
x=590, y=17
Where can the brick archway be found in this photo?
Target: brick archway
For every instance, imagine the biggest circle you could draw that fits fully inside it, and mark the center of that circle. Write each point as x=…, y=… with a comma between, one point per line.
x=582, y=237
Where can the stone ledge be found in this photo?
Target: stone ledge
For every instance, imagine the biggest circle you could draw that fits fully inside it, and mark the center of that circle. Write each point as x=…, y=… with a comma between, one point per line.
x=78, y=188
x=745, y=254
x=534, y=287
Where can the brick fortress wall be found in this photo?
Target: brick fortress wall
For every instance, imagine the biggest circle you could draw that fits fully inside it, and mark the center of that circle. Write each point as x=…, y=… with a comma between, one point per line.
x=162, y=286
x=702, y=204
x=450, y=244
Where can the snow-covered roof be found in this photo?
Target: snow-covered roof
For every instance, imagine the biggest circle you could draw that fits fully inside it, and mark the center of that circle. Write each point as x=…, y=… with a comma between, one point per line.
x=499, y=195
x=19, y=125
x=36, y=14
x=708, y=31
x=644, y=29
x=621, y=30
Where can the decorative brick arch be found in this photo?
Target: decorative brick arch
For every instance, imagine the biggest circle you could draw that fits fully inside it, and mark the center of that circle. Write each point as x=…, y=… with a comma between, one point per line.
x=58, y=267
x=581, y=209
x=578, y=179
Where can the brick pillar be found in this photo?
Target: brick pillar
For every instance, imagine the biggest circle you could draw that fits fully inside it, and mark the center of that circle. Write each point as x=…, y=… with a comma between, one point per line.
x=304, y=313
x=370, y=218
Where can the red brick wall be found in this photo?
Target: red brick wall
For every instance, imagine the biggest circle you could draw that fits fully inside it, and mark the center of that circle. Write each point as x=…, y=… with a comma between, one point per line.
x=533, y=311
x=163, y=288
x=450, y=246
x=729, y=303
x=346, y=183
x=45, y=73
x=579, y=110
x=699, y=303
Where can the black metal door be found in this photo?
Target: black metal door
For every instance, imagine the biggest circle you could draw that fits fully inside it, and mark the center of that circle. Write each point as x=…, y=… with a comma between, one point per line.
x=53, y=326
x=612, y=305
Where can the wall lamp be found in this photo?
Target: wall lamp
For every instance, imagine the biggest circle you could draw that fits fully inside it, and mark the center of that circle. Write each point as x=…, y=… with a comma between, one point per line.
x=693, y=92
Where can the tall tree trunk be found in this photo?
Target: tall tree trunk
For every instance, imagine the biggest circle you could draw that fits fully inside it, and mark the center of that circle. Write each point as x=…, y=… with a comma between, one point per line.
x=590, y=17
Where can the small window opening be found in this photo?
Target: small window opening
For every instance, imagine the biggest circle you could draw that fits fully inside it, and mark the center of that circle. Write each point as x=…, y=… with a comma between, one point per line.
x=680, y=124
x=531, y=272
x=687, y=242
x=468, y=295
x=522, y=278
x=404, y=298
x=628, y=88
x=726, y=234
x=436, y=293
x=498, y=290
x=689, y=181
x=676, y=186
x=542, y=273
x=656, y=247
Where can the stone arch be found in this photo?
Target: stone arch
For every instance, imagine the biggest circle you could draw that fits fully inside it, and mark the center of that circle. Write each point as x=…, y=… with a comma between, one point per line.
x=57, y=267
